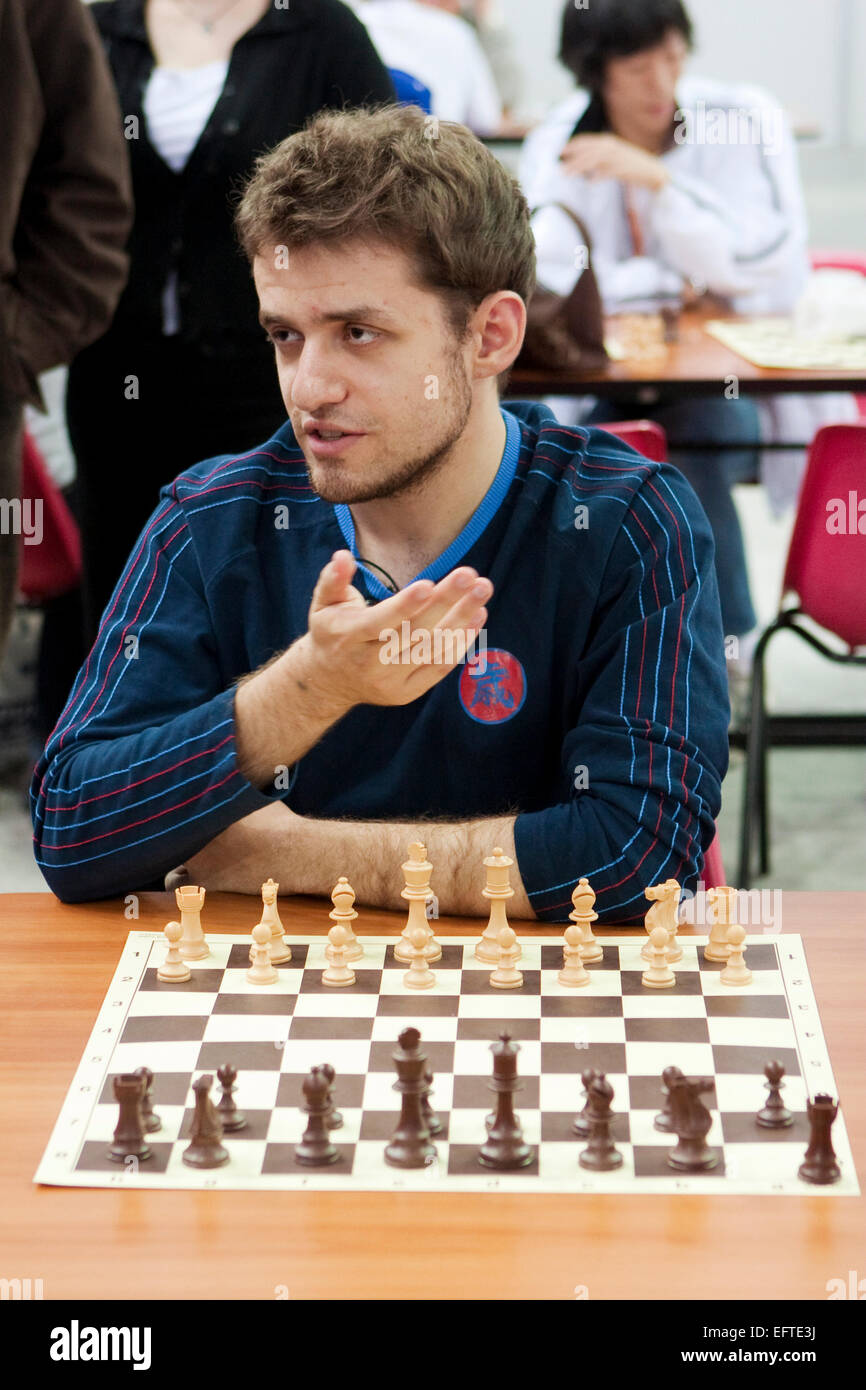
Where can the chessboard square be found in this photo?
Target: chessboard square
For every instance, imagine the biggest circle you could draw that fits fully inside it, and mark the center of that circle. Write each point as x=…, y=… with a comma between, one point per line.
x=432, y=1029
x=761, y=955
x=202, y=981
x=270, y=1028
x=280, y=1158
x=348, y=1056
x=560, y=1164
x=420, y=1004
x=169, y=1088
x=565, y=1057
x=348, y=1090
x=664, y=1003
x=245, y=1162
x=762, y=1032
x=651, y=1161
x=680, y=1030
x=254, y=1090
x=366, y=982
x=379, y=1093
x=687, y=982
x=287, y=1125
x=473, y=1058
x=583, y=1030
x=752, y=1060
x=473, y=1092
x=744, y=1003
x=451, y=958
x=463, y=1161
x=563, y=1092
x=748, y=1093
x=651, y=1058
x=158, y=1056
x=440, y=1056
x=177, y=1005
x=372, y=959
x=643, y=1131
x=559, y=1002
x=335, y=1004
x=236, y=982
x=604, y=984
x=299, y=949
x=630, y=957
x=556, y=1127
x=239, y=958
x=769, y=1165
x=242, y=1054
x=93, y=1159
x=256, y=1127
x=477, y=982
x=164, y=1028
x=324, y=1028
x=763, y=982
x=487, y=1030
x=499, y=1003
x=447, y=982
x=742, y=1127
x=645, y=1093
x=261, y=1002
x=103, y=1120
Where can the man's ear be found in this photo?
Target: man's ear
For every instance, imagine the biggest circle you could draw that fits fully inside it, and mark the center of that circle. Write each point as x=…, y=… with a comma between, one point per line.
x=498, y=327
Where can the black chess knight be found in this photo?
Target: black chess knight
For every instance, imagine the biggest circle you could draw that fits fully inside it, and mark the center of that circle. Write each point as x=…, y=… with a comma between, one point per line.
x=691, y=1121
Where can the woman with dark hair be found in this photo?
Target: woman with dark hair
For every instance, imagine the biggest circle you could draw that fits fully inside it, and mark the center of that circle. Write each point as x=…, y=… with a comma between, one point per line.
x=185, y=371
x=686, y=186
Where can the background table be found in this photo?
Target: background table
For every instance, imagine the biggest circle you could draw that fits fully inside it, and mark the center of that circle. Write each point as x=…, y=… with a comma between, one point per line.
x=693, y=365
x=56, y=963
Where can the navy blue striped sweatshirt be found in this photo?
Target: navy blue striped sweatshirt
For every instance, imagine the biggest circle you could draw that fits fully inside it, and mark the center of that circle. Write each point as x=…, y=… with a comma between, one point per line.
x=596, y=708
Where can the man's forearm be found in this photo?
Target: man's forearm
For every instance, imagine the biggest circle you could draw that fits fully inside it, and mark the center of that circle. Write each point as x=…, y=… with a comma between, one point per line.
x=279, y=716
x=369, y=855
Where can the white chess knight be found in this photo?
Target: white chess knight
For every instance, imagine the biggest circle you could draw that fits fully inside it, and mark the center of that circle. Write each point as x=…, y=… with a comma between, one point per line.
x=664, y=912
x=279, y=948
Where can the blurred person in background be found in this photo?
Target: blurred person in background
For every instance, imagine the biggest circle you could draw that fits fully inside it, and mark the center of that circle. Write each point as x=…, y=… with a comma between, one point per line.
x=185, y=371
x=497, y=42
x=442, y=52
x=64, y=218
x=675, y=213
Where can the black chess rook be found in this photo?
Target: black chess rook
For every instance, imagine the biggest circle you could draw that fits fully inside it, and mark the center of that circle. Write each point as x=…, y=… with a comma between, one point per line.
x=129, y=1135
x=819, y=1164
x=315, y=1149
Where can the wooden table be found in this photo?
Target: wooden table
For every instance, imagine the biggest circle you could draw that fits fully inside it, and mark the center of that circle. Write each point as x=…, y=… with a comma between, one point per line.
x=55, y=967
x=695, y=364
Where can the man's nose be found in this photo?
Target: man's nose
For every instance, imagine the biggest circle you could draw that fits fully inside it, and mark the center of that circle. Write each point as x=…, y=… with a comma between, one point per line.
x=315, y=381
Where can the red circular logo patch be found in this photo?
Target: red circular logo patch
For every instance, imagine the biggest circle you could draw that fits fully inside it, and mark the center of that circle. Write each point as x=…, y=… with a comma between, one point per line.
x=492, y=686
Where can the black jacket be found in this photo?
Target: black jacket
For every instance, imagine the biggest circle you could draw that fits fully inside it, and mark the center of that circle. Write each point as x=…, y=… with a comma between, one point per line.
x=293, y=63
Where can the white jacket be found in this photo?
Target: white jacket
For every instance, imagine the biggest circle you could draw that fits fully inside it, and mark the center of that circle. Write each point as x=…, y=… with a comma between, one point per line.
x=731, y=218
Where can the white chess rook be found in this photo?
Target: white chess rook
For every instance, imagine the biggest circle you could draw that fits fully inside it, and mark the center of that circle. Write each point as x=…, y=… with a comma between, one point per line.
x=190, y=901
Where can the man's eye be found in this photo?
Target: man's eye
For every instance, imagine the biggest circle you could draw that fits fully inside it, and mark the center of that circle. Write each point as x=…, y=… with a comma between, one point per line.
x=282, y=336
x=359, y=334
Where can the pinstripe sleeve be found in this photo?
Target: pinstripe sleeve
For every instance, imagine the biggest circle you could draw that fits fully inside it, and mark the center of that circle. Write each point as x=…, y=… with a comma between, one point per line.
x=141, y=771
x=642, y=766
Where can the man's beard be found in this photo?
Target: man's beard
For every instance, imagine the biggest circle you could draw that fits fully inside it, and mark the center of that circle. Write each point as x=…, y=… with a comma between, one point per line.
x=415, y=472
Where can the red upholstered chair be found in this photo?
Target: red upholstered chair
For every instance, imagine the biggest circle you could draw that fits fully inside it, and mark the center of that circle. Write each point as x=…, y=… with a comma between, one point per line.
x=644, y=435
x=52, y=567
x=826, y=574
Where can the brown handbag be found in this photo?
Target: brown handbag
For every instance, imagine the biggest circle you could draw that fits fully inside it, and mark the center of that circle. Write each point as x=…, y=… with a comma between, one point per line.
x=566, y=330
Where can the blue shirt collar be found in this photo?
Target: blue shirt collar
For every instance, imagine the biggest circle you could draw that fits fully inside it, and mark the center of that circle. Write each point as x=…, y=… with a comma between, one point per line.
x=480, y=519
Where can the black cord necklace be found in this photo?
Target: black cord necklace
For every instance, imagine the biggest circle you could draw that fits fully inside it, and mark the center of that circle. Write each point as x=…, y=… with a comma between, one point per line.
x=371, y=564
